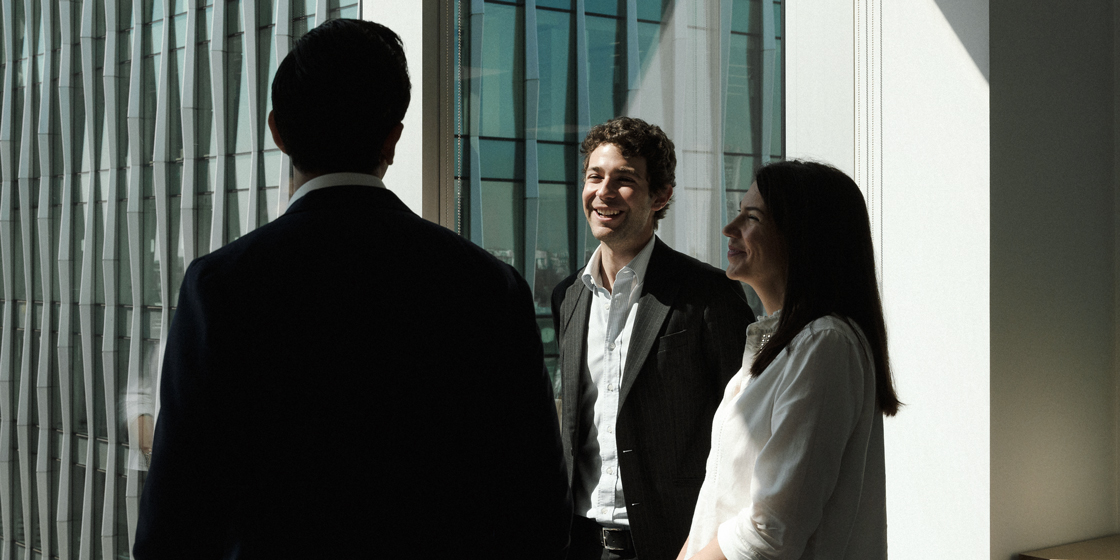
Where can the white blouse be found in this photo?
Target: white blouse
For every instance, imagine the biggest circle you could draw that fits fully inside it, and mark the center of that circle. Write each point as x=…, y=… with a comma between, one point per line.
x=796, y=466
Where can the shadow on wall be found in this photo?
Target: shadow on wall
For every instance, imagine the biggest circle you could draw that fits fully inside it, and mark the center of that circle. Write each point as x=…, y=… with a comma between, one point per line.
x=969, y=20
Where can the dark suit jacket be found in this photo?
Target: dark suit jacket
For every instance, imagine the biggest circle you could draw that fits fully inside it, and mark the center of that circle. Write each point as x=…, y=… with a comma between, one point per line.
x=351, y=381
x=687, y=342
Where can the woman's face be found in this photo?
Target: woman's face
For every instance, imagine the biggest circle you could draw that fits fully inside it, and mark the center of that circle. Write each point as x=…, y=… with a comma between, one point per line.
x=755, y=253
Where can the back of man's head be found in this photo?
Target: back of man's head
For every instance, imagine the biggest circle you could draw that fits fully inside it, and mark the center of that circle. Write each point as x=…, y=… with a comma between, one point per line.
x=336, y=96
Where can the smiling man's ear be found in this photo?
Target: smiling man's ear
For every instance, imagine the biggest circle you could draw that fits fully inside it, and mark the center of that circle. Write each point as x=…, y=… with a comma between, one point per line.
x=662, y=198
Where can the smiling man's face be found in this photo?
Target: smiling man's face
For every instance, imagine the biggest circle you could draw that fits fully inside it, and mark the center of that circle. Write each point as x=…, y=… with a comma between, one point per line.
x=616, y=199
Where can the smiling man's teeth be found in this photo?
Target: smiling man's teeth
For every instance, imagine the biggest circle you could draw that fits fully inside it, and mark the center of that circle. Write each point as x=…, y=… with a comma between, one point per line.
x=607, y=212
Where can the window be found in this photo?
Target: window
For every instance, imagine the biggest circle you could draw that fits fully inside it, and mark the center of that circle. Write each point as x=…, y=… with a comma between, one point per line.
x=534, y=76
x=137, y=143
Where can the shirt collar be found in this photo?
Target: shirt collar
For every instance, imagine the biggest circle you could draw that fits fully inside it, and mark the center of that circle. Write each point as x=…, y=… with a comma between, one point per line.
x=637, y=265
x=334, y=180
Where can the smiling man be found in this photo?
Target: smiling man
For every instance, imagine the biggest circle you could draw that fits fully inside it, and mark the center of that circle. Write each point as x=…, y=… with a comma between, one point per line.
x=649, y=337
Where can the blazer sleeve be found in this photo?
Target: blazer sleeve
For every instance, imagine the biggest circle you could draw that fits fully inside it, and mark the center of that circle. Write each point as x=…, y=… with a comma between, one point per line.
x=538, y=491
x=182, y=508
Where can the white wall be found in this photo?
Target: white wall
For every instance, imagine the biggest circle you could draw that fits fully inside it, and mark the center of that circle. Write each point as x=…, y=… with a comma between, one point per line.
x=915, y=136
x=1054, y=464
x=405, y=176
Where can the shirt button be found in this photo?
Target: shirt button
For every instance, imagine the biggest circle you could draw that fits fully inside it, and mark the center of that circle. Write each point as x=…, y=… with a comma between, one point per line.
x=608, y=307
x=610, y=429
x=611, y=346
x=610, y=386
x=610, y=470
x=603, y=511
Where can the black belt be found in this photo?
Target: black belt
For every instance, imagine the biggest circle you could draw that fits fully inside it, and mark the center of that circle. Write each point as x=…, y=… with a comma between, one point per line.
x=615, y=538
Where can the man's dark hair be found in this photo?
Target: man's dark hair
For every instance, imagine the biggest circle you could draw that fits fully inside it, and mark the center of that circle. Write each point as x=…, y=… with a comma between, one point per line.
x=635, y=137
x=822, y=220
x=338, y=94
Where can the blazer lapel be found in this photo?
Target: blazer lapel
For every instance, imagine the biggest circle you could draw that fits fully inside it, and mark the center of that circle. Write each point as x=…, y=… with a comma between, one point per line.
x=658, y=294
x=574, y=313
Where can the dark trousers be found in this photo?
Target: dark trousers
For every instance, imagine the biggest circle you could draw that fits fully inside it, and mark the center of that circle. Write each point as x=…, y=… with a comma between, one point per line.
x=585, y=543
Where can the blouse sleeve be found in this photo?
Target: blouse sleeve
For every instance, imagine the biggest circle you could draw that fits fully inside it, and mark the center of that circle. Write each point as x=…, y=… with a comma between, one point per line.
x=818, y=397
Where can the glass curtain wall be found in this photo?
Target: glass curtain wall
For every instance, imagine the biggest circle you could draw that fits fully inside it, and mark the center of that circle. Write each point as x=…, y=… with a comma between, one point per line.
x=133, y=139
x=535, y=75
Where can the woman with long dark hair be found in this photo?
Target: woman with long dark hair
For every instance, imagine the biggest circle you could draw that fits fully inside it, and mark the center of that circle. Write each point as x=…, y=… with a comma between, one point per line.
x=796, y=465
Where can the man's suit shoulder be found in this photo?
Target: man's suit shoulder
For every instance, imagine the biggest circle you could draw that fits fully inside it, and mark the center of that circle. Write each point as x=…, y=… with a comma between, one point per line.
x=693, y=275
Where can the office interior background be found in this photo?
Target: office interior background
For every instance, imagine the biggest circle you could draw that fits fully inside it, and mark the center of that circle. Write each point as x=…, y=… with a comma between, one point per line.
x=984, y=135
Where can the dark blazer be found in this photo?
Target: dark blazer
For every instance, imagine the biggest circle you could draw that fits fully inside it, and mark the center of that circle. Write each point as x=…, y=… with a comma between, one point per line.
x=351, y=381
x=687, y=342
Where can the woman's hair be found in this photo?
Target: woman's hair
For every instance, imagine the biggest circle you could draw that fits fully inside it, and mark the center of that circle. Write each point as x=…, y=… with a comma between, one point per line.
x=822, y=220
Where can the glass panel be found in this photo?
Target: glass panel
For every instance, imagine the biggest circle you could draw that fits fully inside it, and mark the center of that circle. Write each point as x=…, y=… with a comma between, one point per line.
x=606, y=68
x=19, y=290
x=174, y=102
x=558, y=162
x=124, y=276
x=96, y=246
x=206, y=21
x=266, y=206
x=175, y=243
x=503, y=213
x=557, y=70
x=502, y=159
x=271, y=162
x=649, y=41
x=651, y=10
x=739, y=174
x=150, y=256
x=239, y=168
x=744, y=107
x=18, y=530
x=237, y=99
x=56, y=225
x=204, y=124
x=77, y=381
x=558, y=4
x=778, y=19
x=746, y=16
x=203, y=214
x=237, y=207
x=233, y=17
x=553, y=260
x=301, y=8
x=121, y=378
x=153, y=11
x=100, y=426
x=606, y=7
x=503, y=82
x=266, y=60
x=349, y=12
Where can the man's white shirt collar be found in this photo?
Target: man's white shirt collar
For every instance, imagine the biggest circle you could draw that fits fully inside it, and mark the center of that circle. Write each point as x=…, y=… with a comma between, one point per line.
x=334, y=180
x=591, y=273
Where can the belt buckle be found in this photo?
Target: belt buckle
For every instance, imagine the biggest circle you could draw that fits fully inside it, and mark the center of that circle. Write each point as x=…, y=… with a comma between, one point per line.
x=603, y=537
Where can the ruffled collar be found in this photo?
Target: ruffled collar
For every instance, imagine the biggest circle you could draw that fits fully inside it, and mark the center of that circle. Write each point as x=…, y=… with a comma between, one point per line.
x=759, y=332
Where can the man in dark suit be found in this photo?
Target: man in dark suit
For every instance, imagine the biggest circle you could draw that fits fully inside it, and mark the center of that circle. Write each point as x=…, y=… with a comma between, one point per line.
x=649, y=338
x=351, y=381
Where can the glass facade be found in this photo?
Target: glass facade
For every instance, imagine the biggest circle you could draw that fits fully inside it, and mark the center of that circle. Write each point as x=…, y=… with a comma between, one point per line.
x=535, y=75
x=133, y=139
